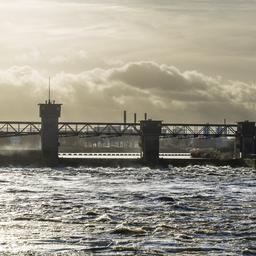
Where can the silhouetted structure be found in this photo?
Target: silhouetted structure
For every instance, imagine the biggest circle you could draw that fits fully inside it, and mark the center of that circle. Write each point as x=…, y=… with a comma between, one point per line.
x=246, y=138
x=150, y=133
x=125, y=116
x=135, y=118
x=50, y=113
x=149, y=130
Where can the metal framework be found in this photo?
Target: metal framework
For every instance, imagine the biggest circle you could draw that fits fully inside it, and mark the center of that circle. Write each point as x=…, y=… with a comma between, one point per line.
x=199, y=130
x=98, y=129
x=13, y=128
x=89, y=129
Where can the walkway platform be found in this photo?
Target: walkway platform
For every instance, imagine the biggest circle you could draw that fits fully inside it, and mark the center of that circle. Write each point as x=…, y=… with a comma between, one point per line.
x=34, y=159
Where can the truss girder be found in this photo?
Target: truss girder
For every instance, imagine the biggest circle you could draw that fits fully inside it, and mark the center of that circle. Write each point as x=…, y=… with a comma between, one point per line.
x=98, y=129
x=89, y=129
x=11, y=129
x=199, y=130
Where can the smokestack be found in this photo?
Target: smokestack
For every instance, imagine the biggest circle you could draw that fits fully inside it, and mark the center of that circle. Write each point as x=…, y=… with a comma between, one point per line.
x=125, y=117
x=146, y=116
x=225, y=129
x=135, y=118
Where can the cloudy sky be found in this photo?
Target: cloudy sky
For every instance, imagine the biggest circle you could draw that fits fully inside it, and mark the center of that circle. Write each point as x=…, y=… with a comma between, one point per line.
x=178, y=60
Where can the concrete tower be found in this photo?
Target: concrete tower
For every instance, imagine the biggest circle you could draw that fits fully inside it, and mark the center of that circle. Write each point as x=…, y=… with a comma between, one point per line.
x=49, y=113
x=246, y=138
x=150, y=132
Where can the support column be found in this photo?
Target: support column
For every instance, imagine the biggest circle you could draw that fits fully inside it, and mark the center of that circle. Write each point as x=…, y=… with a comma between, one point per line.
x=150, y=132
x=50, y=113
x=246, y=138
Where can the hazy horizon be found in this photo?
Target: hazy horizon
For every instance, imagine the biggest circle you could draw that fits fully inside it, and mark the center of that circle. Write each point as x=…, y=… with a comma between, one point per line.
x=177, y=60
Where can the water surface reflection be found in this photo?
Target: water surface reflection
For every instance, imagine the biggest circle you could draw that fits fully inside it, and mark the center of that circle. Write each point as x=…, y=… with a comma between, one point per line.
x=130, y=211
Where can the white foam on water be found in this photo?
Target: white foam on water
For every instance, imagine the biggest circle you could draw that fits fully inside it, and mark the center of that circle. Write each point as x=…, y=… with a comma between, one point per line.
x=70, y=211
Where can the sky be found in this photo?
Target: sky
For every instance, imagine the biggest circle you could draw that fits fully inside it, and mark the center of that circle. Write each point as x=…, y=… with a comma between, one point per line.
x=177, y=60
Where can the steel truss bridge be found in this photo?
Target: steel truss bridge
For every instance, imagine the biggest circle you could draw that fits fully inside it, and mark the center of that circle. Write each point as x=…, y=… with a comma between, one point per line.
x=90, y=129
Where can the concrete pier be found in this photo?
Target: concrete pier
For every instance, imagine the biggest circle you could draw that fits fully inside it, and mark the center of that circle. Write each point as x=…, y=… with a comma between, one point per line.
x=50, y=113
x=246, y=138
x=150, y=132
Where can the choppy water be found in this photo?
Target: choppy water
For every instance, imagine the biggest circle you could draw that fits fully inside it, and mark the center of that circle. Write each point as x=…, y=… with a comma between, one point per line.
x=110, y=211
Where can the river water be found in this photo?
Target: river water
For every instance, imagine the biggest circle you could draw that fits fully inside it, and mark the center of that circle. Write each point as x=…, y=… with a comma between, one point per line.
x=128, y=211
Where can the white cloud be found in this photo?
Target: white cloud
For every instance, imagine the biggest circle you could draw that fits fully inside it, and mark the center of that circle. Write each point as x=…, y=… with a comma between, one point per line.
x=165, y=92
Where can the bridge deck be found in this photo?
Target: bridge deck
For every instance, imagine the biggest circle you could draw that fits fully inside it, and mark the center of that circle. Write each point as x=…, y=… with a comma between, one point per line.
x=94, y=129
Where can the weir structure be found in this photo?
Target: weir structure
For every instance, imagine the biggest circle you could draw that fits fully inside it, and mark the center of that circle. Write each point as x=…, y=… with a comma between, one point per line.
x=150, y=132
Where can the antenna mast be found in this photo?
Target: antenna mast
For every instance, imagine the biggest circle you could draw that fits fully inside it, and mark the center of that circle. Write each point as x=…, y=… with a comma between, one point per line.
x=49, y=96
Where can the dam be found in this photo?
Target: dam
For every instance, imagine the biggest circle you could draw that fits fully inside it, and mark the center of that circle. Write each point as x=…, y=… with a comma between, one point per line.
x=51, y=129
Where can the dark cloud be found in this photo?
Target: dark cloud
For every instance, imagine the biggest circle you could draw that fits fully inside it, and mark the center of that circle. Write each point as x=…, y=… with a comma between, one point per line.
x=150, y=75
